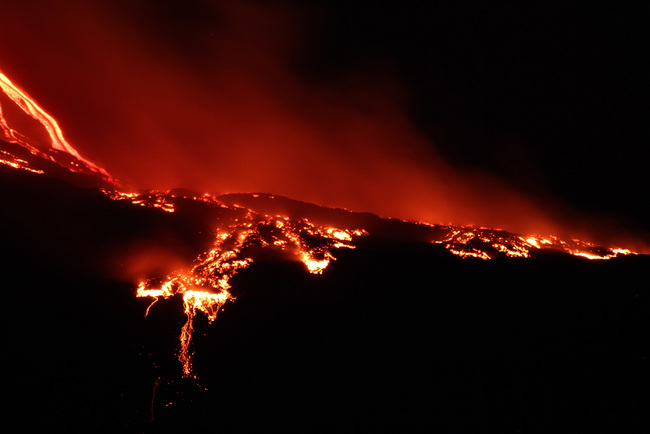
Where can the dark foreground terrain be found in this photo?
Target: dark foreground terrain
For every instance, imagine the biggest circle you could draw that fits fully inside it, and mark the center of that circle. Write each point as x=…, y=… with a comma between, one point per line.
x=394, y=336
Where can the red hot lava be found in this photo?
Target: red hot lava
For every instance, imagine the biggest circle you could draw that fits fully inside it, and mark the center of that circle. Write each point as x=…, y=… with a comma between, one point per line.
x=212, y=103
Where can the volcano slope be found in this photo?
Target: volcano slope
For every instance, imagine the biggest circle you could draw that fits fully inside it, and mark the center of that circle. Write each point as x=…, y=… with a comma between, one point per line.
x=395, y=334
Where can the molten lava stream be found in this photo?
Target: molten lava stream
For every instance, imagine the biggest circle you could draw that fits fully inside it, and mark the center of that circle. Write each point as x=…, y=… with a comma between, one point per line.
x=32, y=109
x=205, y=287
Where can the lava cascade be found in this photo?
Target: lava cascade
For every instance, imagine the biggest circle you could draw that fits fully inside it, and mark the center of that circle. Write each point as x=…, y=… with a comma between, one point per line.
x=57, y=141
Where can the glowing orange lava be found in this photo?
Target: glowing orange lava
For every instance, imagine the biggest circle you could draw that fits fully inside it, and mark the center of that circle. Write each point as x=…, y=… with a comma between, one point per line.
x=151, y=199
x=484, y=243
x=15, y=162
x=205, y=286
x=32, y=109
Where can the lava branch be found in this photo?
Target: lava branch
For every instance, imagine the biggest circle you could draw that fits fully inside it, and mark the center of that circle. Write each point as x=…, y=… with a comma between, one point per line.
x=206, y=286
x=194, y=299
x=209, y=304
x=31, y=108
x=483, y=243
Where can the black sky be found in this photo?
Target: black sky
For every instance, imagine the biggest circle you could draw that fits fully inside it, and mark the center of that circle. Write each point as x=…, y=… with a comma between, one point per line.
x=551, y=96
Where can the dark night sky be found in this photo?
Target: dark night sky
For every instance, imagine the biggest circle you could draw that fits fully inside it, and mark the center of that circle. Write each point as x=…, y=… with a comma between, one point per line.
x=552, y=96
x=547, y=99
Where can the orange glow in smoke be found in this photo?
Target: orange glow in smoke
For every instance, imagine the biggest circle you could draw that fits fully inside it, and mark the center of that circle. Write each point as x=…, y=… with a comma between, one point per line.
x=224, y=109
x=246, y=121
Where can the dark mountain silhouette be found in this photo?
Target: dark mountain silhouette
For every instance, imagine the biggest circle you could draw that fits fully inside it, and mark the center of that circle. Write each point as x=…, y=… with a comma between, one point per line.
x=396, y=334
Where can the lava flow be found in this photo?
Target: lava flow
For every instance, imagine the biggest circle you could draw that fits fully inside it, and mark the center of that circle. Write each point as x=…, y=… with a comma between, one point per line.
x=205, y=287
x=57, y=141
x=243, y=234
x=484, y=243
